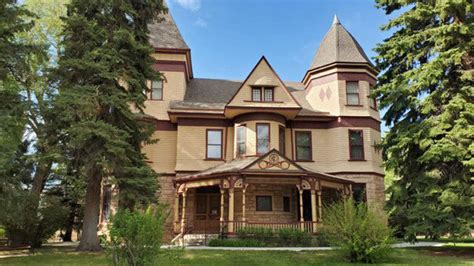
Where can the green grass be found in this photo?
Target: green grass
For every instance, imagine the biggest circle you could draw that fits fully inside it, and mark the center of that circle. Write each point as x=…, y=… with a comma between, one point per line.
x=420, y=256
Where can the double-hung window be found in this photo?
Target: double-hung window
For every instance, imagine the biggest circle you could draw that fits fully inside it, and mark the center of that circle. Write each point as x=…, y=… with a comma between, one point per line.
x=281, y=139
x=303, y=146
x=263, y=138
x=262, y=94
x=352, y=93
x=157, y=90
x=214, y=144
x=241, y=140
x=356, y=144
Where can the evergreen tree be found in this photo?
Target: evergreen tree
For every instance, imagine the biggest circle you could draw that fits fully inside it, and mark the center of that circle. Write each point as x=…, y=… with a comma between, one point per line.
x=102, y=76
x=426, y=86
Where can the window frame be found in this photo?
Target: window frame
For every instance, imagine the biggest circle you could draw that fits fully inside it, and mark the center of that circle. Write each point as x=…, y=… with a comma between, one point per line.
x=282, y=148
x=310, y=145
x=361, y=145
x=263, y=196
x=262, y=90
x=162, y=89
x=244, y=127
x=358, y=93
x=256, y=137
x=207, y=144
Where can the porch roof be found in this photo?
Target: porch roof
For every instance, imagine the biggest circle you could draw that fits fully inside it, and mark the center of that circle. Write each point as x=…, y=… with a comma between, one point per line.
x=274, y=163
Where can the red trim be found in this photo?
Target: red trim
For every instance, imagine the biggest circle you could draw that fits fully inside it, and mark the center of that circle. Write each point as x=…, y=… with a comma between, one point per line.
x=356, y=173
x=207, y=122
x=343, y=121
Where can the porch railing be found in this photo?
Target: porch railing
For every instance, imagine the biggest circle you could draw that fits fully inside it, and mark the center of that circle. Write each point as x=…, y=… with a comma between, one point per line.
x=307, y=226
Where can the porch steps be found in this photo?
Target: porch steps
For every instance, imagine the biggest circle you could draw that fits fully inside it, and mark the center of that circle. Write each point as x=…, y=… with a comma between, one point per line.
x=198, y=239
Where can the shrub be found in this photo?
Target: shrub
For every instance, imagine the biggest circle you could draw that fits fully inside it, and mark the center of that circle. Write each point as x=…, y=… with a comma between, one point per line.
x=135, y=237
x=24, y=225
x=278, y=237
x=236, y=243
x=2, y=232
x=361, y=233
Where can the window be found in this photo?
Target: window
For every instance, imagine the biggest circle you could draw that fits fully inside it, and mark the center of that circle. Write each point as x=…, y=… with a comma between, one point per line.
x=281, y=139
x=268, y=95
x=241, y=140
x=264, y=94
x=214, y=144
x=356, y=144
x=264, y=203
x=303, y=146
x=372, y=100
x=286, y=204
x=157, y=90
x=352, y=91
x=256, y=94
x=263, y=138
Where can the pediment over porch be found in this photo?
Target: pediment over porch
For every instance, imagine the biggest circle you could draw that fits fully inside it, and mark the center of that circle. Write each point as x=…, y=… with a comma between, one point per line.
x=274, y=162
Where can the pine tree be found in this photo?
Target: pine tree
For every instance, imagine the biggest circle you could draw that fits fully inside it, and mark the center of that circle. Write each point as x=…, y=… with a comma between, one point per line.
x=426, y=86
x=102, y=77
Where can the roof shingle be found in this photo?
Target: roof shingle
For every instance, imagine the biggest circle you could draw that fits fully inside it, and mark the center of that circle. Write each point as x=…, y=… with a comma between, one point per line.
x=165, y=34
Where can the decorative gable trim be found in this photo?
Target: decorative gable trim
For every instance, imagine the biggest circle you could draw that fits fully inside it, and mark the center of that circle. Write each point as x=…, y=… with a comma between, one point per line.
x=274, y=160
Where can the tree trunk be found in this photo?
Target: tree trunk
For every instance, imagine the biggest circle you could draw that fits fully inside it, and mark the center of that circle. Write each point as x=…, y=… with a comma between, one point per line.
x=39, y=178
x=89, y=238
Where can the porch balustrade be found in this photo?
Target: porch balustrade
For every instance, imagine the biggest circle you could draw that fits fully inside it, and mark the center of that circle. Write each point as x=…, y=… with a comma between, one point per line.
x=307, y=226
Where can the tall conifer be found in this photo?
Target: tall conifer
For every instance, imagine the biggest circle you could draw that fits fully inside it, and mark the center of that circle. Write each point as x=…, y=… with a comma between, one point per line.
x=102, y=76
x=427, y=88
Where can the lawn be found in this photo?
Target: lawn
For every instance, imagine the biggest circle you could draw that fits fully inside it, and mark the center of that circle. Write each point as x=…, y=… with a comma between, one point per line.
x=421, y=256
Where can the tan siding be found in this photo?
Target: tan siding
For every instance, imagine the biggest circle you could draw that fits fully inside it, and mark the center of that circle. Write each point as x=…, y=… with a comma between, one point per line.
x=163, y=153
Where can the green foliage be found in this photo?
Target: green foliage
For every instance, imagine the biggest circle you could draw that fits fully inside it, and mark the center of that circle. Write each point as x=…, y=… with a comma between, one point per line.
x=236, y=243
x=24, y=226
x=360, y=233
x=135, y=237
x=426, y=86
x=2, y=232
x=275, y=237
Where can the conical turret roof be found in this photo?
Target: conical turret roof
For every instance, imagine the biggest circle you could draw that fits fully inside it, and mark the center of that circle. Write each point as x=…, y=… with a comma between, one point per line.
x=165, y=34
x=339, y=46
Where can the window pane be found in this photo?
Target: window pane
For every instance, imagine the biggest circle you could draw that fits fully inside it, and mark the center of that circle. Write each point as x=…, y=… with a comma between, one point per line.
x=241, y=140
x=214, y=137
x=256, y=94
x=157, y=89
x=357, y=152
x=286, y=204
x=303, y=138
x=241, y=134
x=214, y=151
x=268, y=95
x=303, y=145
x=281, y=139
x=263, y=138
x=352, y=87
x=353, y=99
x=240, y=148
x=303, y=153
x=356, y=137
x=264, y=203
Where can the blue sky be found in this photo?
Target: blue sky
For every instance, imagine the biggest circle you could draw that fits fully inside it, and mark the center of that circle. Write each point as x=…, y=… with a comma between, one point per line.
x=227, y=37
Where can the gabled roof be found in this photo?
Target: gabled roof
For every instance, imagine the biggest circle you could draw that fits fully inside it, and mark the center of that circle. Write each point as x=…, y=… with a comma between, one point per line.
x=165, y=34
x=339, y=46
x=272, y=162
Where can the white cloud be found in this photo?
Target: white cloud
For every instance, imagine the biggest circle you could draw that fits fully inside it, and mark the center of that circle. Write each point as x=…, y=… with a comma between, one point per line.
x=193, y=5
x=201, y=23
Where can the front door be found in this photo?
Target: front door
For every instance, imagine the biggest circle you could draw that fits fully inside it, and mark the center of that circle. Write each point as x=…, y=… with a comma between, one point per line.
x=207, y=213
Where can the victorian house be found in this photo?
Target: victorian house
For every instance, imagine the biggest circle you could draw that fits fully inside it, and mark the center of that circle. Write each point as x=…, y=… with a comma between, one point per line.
x=262, y=152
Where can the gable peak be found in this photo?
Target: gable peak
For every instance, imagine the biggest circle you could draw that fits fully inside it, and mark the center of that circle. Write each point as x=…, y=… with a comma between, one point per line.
x=335, y=20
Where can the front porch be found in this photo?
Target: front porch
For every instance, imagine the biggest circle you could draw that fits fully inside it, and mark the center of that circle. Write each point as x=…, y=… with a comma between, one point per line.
x=223, y=202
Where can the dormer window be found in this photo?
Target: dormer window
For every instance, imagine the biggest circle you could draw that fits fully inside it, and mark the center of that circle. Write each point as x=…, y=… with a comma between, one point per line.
x=352, y=92
x=157, y=90
x=262, y=94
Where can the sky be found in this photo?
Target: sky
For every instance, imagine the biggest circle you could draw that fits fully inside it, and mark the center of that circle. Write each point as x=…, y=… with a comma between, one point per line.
x=228, y=37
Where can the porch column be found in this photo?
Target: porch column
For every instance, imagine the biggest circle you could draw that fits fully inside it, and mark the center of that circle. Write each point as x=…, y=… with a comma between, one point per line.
x=320, y=207
x=183, y=215
x=301, y=209
x=176, y=212
x=244, y=219
x=221, y=219
x=313, y=210
x=231, y=211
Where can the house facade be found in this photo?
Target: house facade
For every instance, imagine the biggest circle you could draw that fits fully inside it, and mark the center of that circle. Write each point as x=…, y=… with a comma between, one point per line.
x=262, y=152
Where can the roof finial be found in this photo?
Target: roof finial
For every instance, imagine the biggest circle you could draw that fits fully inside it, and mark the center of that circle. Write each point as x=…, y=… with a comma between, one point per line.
x=336, y=20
